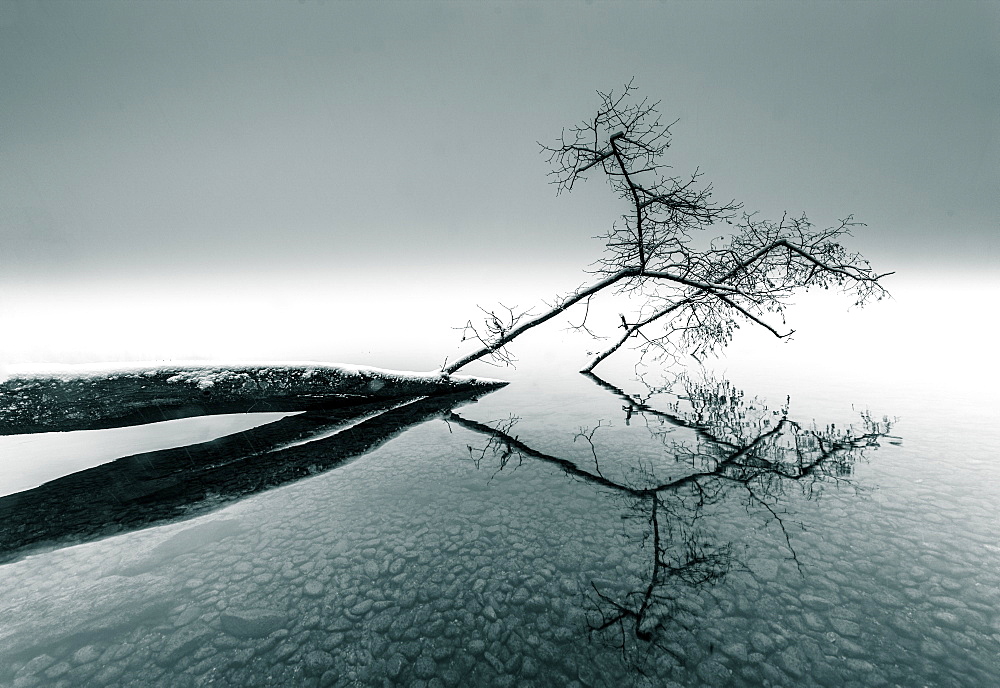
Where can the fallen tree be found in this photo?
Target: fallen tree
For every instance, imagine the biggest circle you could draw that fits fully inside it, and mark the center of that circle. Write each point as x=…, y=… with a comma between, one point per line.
x=73, y=398
x=665, y=253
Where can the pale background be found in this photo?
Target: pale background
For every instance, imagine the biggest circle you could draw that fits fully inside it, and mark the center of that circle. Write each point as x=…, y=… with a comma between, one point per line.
x=345, y=181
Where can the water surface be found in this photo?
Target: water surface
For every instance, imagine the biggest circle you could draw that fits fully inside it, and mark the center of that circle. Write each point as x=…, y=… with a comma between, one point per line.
x=562, y=531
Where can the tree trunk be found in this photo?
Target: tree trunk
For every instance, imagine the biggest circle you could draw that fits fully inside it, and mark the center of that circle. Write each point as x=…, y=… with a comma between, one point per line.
x=117, y=398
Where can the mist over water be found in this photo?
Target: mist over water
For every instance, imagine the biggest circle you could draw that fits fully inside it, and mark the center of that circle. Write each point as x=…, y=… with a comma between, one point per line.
x=937, y=327
x=407, y=319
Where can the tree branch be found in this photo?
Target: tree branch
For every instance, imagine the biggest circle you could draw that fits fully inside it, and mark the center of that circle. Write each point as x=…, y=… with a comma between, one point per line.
x=652, y=254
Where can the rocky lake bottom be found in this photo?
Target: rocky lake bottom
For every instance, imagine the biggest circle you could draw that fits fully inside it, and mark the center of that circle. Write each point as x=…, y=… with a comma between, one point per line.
x=448, y=556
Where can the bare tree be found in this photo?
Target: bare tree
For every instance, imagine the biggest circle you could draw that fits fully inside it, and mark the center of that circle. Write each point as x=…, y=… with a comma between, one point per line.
x=698, y=288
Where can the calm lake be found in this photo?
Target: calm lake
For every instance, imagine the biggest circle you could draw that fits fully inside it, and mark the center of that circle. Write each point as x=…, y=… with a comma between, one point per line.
x=567, y=530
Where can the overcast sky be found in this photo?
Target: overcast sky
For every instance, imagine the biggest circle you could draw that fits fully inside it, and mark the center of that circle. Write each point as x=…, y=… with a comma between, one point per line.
x=270, y=141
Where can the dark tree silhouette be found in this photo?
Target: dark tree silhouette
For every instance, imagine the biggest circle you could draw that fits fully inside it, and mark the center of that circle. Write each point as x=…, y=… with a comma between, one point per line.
x=698, y=287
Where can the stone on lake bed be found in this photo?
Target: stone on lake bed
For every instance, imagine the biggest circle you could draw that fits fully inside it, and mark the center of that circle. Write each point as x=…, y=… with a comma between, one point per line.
x=536, y=603
x=37, y=665
x=736, y=651
x=317, y=661
x=816, y=602
x=252, y=623
x=86, y=654
x=183, y=643
x=361, y=608
x=845, y=627
x=933, y=649
x=424, y=667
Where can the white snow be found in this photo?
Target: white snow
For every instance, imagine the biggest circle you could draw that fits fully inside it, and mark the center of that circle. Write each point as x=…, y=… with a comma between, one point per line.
x=205, y=373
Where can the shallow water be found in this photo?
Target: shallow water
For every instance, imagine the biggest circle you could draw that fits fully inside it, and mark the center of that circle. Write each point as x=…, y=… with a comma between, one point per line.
x=27, y=461
x=453, y=556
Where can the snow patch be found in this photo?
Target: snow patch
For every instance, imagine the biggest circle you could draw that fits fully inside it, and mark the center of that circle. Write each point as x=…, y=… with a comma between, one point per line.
x=199, y=372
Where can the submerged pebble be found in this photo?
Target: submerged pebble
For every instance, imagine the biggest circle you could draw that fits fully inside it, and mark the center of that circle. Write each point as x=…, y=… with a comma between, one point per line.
x=252, y=623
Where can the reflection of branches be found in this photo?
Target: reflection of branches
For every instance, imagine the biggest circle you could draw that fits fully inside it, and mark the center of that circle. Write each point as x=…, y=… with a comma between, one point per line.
x=588, y=437
x=498, y=444
x=740, y=445
x=814, y=455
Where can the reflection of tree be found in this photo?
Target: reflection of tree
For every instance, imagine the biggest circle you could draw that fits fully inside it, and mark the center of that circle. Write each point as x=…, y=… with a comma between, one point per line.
x=729, y=446
x=166, y=485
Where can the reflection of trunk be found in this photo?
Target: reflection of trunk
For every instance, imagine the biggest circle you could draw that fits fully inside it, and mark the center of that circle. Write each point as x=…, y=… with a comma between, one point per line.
x=158, y=487
x=134, y=397
x=654, y=578
x=677, y=560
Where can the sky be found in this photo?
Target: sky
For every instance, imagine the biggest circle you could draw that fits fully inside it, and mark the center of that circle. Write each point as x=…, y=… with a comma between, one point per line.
x=174, y=173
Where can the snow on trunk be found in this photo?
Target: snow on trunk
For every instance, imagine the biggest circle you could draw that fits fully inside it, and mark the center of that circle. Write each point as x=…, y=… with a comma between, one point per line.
x=77, y=398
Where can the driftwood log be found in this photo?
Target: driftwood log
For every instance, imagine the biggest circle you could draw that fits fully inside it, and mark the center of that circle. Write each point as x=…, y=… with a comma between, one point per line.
x=117, y=398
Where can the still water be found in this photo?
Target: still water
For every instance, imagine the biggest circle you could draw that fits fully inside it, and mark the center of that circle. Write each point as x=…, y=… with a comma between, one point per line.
x=567, y=530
